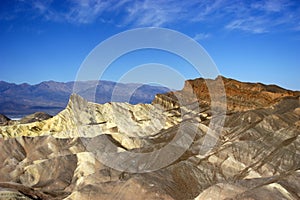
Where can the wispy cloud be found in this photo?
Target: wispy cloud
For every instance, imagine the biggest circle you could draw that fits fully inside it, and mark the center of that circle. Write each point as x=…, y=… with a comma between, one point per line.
x=159, y=12
x=84, y=11
x=76, y=12
x=260, y=16
x=201, y=36
x=70, y=11
x=271, y=5
x=264, y=16
x=251, y=24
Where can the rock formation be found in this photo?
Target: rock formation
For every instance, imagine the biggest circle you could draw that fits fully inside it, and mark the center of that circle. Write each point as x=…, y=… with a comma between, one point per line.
x=3, y=120
x=35, y=117
x=240, y=96
x=255, y=156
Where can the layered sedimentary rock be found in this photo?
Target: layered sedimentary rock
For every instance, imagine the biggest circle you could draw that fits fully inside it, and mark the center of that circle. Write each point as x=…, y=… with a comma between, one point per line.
x=125, y=122
x=255, y=156
x=240, y=96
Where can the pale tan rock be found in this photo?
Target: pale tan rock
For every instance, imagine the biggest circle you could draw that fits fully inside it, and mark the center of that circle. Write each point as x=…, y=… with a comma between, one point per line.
x=12, y=195
x=84, y=119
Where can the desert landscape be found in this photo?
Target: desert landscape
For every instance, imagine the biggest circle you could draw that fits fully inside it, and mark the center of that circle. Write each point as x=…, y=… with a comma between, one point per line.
x=256, y=155
x=149, y=100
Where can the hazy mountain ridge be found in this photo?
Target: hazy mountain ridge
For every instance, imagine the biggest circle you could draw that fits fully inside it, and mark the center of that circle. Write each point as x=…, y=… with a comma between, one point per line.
x=52, y=97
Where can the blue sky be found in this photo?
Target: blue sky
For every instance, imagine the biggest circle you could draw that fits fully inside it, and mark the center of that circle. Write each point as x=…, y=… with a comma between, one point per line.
x=256, y=41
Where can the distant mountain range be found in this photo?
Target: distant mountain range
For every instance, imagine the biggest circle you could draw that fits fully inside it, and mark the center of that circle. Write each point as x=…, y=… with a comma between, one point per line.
x=17, y=100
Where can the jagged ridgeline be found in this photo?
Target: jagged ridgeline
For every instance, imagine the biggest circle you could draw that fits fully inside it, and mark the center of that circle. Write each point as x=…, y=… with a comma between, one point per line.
x=256, y=156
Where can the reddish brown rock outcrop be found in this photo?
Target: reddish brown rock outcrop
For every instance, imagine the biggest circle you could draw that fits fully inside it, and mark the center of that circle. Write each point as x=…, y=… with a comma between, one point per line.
x=240, y=96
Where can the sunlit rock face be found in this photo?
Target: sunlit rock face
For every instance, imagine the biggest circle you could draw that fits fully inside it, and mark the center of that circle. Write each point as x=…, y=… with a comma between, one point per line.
x=124, y=122
x=256, y=154
x=240, y=96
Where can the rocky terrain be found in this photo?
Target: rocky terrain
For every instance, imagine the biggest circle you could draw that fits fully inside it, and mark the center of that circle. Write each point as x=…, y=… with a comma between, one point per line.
x=4, y=120
x=165, y=150
x=240, y=96
x=52, y=97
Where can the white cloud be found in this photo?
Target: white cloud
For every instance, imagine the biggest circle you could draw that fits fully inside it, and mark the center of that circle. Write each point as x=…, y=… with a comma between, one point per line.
x=201, y=36
x=251, y=24
x=85, y=11
x=256, y=17
x=41, y=6
x=72, y=11
x=207, y=9
x=264, y=16
x=272, y=5
x=156, y=13
x=146, y=14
